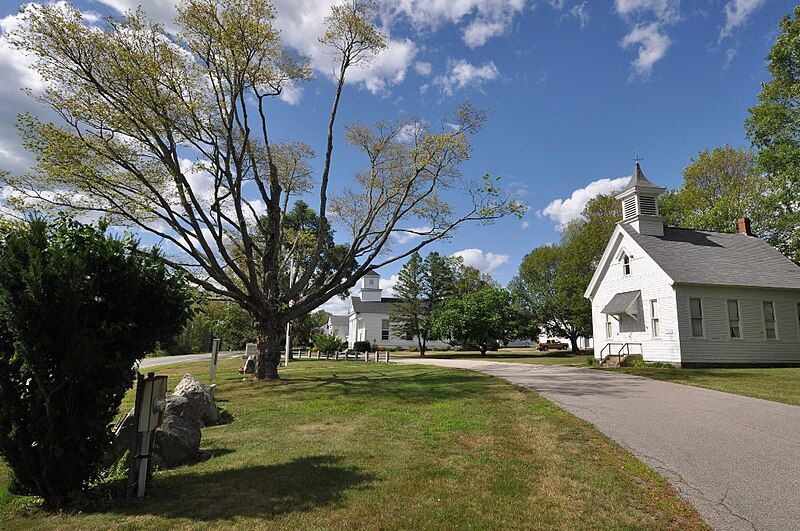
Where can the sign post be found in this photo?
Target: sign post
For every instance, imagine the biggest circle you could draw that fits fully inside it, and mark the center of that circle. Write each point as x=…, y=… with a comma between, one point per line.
x=212, y=373
x=148, y=414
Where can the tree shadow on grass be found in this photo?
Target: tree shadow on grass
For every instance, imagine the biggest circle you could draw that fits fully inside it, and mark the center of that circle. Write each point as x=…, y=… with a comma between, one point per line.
x=265, y=491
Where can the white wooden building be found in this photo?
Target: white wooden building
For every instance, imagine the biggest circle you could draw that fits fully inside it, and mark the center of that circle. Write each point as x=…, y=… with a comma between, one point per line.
x=690, y=297
x=368, y=317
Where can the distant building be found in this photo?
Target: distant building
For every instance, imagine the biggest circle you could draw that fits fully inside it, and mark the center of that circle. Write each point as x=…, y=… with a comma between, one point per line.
x=692, y=297
x=337, y=324
x=368, y=317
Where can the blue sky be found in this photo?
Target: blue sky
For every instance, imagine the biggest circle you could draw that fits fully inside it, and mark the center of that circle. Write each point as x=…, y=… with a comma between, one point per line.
x=575, y=89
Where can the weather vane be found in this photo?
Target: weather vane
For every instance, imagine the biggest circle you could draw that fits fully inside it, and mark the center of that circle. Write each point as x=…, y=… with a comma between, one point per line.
x=637, y=159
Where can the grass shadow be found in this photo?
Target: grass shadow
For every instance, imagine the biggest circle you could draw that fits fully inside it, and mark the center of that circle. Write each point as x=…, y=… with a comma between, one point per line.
x=266, y=491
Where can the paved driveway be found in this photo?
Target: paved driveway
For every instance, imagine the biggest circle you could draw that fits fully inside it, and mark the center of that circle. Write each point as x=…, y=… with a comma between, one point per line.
x=736, y=459
x=147, y=363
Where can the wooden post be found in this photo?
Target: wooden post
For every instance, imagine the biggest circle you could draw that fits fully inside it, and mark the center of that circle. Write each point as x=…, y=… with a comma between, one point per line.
x=387, y=356
x=212, y=373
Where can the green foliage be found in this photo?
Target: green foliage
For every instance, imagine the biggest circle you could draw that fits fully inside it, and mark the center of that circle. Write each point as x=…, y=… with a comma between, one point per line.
x=482, y=319
x=422, y=285
x=772, y=128
x=77, y=310
x=719, y=187
x=305, y=326
x=328, y=343
x=362, y=346
x=552, y=279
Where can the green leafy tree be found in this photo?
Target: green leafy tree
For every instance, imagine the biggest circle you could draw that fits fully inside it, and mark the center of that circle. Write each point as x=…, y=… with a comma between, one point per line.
x=719, y=187
x=328, y=343
x=552, y=279
x=145, y=119
x=422, y=285
x=77, y=310
x=772, y=128
x=483, y=319
x=304, y=326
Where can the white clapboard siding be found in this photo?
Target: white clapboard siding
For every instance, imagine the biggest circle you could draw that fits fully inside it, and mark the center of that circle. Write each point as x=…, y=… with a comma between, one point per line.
x=717, y=347
x=651, y=280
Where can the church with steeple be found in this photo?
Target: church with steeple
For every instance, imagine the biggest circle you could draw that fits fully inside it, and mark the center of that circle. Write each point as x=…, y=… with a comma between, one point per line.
x=691, y=297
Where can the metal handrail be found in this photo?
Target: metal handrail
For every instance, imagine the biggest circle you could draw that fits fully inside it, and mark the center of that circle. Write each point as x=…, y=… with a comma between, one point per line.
x=623, y=347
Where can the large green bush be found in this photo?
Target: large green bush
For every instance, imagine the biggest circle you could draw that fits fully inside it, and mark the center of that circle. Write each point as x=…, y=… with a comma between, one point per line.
x=328, y=343
x=77, y=309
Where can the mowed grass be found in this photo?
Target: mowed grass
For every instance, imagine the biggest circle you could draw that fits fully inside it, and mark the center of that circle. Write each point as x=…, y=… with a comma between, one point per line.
x=776, y=384
x=367, y=445
x=513, y=355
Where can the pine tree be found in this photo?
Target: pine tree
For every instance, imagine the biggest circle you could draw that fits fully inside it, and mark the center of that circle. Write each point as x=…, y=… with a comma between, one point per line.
x=407, y=314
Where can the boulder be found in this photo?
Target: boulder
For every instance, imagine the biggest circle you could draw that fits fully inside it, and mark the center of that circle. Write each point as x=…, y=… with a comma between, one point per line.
x=177, y=440
x=201, y=400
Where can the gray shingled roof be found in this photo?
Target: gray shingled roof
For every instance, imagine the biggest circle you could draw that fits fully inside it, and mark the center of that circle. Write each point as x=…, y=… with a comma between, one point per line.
x=382, y=306
x=638, y=179
x=339, y=320
x=716, y=258
x=623, y=303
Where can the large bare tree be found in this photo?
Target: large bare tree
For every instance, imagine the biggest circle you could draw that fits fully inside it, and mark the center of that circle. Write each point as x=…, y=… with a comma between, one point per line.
x=170, y=134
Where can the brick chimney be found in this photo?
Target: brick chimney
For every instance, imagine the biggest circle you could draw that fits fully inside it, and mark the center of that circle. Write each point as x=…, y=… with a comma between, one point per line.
x=744, y=226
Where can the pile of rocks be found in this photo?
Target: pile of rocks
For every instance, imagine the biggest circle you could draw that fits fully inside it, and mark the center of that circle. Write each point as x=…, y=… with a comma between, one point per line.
x=177, y=441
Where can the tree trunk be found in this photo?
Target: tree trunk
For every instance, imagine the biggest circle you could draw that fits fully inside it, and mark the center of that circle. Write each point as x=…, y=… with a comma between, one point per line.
x=483, y=349
x=573, y=339
x=270, y=337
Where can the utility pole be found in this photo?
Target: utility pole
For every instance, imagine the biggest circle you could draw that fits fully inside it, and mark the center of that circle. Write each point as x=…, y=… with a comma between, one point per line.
x=289, y=324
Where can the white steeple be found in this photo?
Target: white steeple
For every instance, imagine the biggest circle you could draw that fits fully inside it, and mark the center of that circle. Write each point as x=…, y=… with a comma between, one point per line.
x=370, y=287
x=640, y=204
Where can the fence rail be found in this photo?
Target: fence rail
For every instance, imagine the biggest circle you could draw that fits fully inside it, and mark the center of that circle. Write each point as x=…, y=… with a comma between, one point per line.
x=374, y=356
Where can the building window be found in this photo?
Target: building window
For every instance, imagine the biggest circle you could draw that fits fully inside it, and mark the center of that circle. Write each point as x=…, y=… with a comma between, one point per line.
x=770, y=327
x=733, y=319
x=696, y=312
x=384, y=329
x=626, y=265
x=654, y=322
x=609, y=327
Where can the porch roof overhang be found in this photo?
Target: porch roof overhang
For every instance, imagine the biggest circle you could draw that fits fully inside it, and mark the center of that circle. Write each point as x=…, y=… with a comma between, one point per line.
x=624, y=303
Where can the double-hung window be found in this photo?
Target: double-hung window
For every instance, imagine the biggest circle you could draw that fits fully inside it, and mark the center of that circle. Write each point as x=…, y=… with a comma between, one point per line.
x=609, y=327
x=734, y=327
x=696, y=312
x=654, y=321
x=770, y=327
x=384, y=329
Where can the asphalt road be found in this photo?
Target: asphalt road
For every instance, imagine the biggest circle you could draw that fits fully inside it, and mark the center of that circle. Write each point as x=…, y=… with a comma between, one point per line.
x=736, y=459
x=147, y=363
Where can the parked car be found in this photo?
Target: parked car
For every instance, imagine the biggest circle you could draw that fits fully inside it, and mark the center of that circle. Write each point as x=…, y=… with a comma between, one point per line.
x=551, y=345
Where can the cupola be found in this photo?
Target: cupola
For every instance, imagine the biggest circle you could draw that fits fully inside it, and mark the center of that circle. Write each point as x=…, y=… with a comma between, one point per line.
x=370, y=287
x=640, y=204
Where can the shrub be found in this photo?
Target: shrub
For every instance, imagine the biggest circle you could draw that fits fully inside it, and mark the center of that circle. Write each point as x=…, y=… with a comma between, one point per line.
x=362, y=346
x=77, y=310
x=592, y=361
x=634, y=362
x=413, y=348
x=328, y=343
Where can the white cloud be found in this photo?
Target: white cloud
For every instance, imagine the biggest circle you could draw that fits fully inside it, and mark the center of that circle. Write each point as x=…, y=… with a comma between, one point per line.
x=423, y=68
x=525, y=224
x=652, y=46
x=667, y=11
x=337, y=306
x=648, y=36
x=413, y=233
x=291, y=93
x=483, y=262
x=580, y=12
x=479, y=31
x=736, y=13
x=484, y=18
x=461, y=74
x=387, y=285
x=562, y=211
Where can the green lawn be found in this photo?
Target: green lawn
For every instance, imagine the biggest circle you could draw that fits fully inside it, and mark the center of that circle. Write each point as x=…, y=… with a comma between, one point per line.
x=777, y=384
x=515, y=355
x=350, y=445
